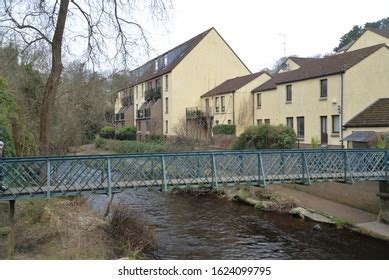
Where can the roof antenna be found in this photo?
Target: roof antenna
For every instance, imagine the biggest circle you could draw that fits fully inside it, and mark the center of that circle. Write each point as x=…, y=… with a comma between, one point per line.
x=284, y=42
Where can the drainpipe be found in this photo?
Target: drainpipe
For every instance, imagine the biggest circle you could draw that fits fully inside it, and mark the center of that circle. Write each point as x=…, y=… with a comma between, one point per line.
x=341, y=108
x=233, y=108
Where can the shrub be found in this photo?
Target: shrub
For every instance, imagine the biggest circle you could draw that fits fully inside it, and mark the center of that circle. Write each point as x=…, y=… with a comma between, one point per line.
x=315, y=143
x=382, y=143
x=126, y=133
x=224, y=129
x=107, y=132
x=266, y=137
x=100, y=143
x=130, y=231
x=153, y=138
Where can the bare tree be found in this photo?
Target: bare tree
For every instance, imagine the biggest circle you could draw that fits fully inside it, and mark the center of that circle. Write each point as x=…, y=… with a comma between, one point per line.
x=95, y=31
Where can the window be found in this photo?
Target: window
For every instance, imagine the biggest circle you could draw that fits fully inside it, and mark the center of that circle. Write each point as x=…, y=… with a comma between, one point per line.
x=323, y=88
x=229, y=121
x=117, y=117
x=217, y=122
x=158, y=83
x=166, y=82
x=289, y=122
x=267, y=121
x=136, y=92
x=122, y=116
x=335, y=124
x=259, y=100
x=259, y=121
x=143, y=91
x=156, y=65
x=206, y=103
x=289, y=93
x=165, y=60
x=149, y=85
x=148, y=126
x=166, y=127
x=166, y=105
x=300, y=127
x=222, y=103
x=217, y=104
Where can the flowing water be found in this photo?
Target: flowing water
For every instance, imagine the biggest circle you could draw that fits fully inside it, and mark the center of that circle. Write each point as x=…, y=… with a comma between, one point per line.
x=207, y=227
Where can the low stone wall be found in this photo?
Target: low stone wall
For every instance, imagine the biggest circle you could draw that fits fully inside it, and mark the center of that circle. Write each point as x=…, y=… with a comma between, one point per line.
x=361, y=195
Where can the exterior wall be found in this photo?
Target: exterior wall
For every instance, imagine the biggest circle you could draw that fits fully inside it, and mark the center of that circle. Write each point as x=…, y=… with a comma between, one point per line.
x=210, y=63
x=221, y=117
x=368, y=39
x=269, y=109
x=366, y=82
x=244, y=105
x=129, y=116
x=306, y=102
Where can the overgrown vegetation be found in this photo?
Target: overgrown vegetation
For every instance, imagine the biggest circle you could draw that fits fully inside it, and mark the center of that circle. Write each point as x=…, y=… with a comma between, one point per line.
x=266, y=137
x=382, y=142
x=224, y=129
x=130, y=231
x=69, y=229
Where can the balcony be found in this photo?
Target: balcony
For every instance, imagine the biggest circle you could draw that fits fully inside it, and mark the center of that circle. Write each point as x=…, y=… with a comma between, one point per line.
x=153, y=94
x=196, y=112
x=128, y=100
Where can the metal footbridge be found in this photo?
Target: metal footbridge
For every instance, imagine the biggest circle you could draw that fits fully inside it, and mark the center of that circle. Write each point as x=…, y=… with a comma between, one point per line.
x=25, y=178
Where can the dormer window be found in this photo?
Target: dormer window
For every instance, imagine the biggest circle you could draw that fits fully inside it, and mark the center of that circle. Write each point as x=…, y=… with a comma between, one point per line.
x=165, y=60
x=156, y=65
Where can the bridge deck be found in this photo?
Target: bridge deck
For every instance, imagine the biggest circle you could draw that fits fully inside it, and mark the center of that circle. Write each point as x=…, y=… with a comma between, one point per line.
x=25, y=178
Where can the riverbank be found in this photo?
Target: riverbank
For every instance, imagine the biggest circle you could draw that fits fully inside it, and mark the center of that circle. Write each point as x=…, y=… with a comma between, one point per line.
x=290, y=200
x=70, y=229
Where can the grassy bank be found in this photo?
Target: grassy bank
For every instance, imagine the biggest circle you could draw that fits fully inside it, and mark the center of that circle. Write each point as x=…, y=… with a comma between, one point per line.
x=70, y=229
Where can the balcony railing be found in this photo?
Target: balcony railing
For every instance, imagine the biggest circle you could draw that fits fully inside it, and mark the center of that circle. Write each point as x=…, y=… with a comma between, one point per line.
x=196, y=112
x=153, y=93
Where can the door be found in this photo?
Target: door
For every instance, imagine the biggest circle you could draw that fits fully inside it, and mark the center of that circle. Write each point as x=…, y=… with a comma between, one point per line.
x=323, y=130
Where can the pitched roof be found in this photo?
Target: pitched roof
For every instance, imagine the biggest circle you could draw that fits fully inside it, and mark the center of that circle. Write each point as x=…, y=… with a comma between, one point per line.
x=361, y=136
x=376, y=115
x=303, y=60
x=315, y=68
x=379, y=31
x=172, y=57
x=233, y=84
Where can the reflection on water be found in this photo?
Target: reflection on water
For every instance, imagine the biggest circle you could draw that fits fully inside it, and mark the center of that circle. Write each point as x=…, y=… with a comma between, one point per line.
x=206, y=227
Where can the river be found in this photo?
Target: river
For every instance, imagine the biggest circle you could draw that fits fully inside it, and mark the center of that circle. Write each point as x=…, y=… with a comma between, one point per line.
x=207, y=227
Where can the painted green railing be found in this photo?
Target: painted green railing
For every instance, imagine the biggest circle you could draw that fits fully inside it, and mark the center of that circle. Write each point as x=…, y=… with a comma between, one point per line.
x=25, y=178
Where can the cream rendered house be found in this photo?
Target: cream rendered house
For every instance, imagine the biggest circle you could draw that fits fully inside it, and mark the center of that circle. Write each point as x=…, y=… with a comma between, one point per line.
x=167, y=85
x=370, y=37
x=317, y=96
x=231, y=101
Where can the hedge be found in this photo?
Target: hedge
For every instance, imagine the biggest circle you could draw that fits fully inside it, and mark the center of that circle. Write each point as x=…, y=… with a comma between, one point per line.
x=126, y=133
x=266, y=137
x=107, y=132
x=224, y=129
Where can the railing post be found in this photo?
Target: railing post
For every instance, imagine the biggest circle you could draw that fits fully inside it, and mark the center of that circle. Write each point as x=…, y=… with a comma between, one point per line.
x=214, y=173
x=282, y=159
x=109, y=183
x=261, y=172
x=164, y=183
x=303, y=166
x=48, y=178
x=306, y=176
x=345, y=159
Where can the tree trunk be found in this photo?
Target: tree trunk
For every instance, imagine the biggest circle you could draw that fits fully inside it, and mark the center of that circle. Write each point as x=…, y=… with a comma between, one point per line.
x=52, y=82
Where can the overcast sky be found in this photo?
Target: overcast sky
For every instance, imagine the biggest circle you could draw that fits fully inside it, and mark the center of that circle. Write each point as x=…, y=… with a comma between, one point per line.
x=252, y=27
